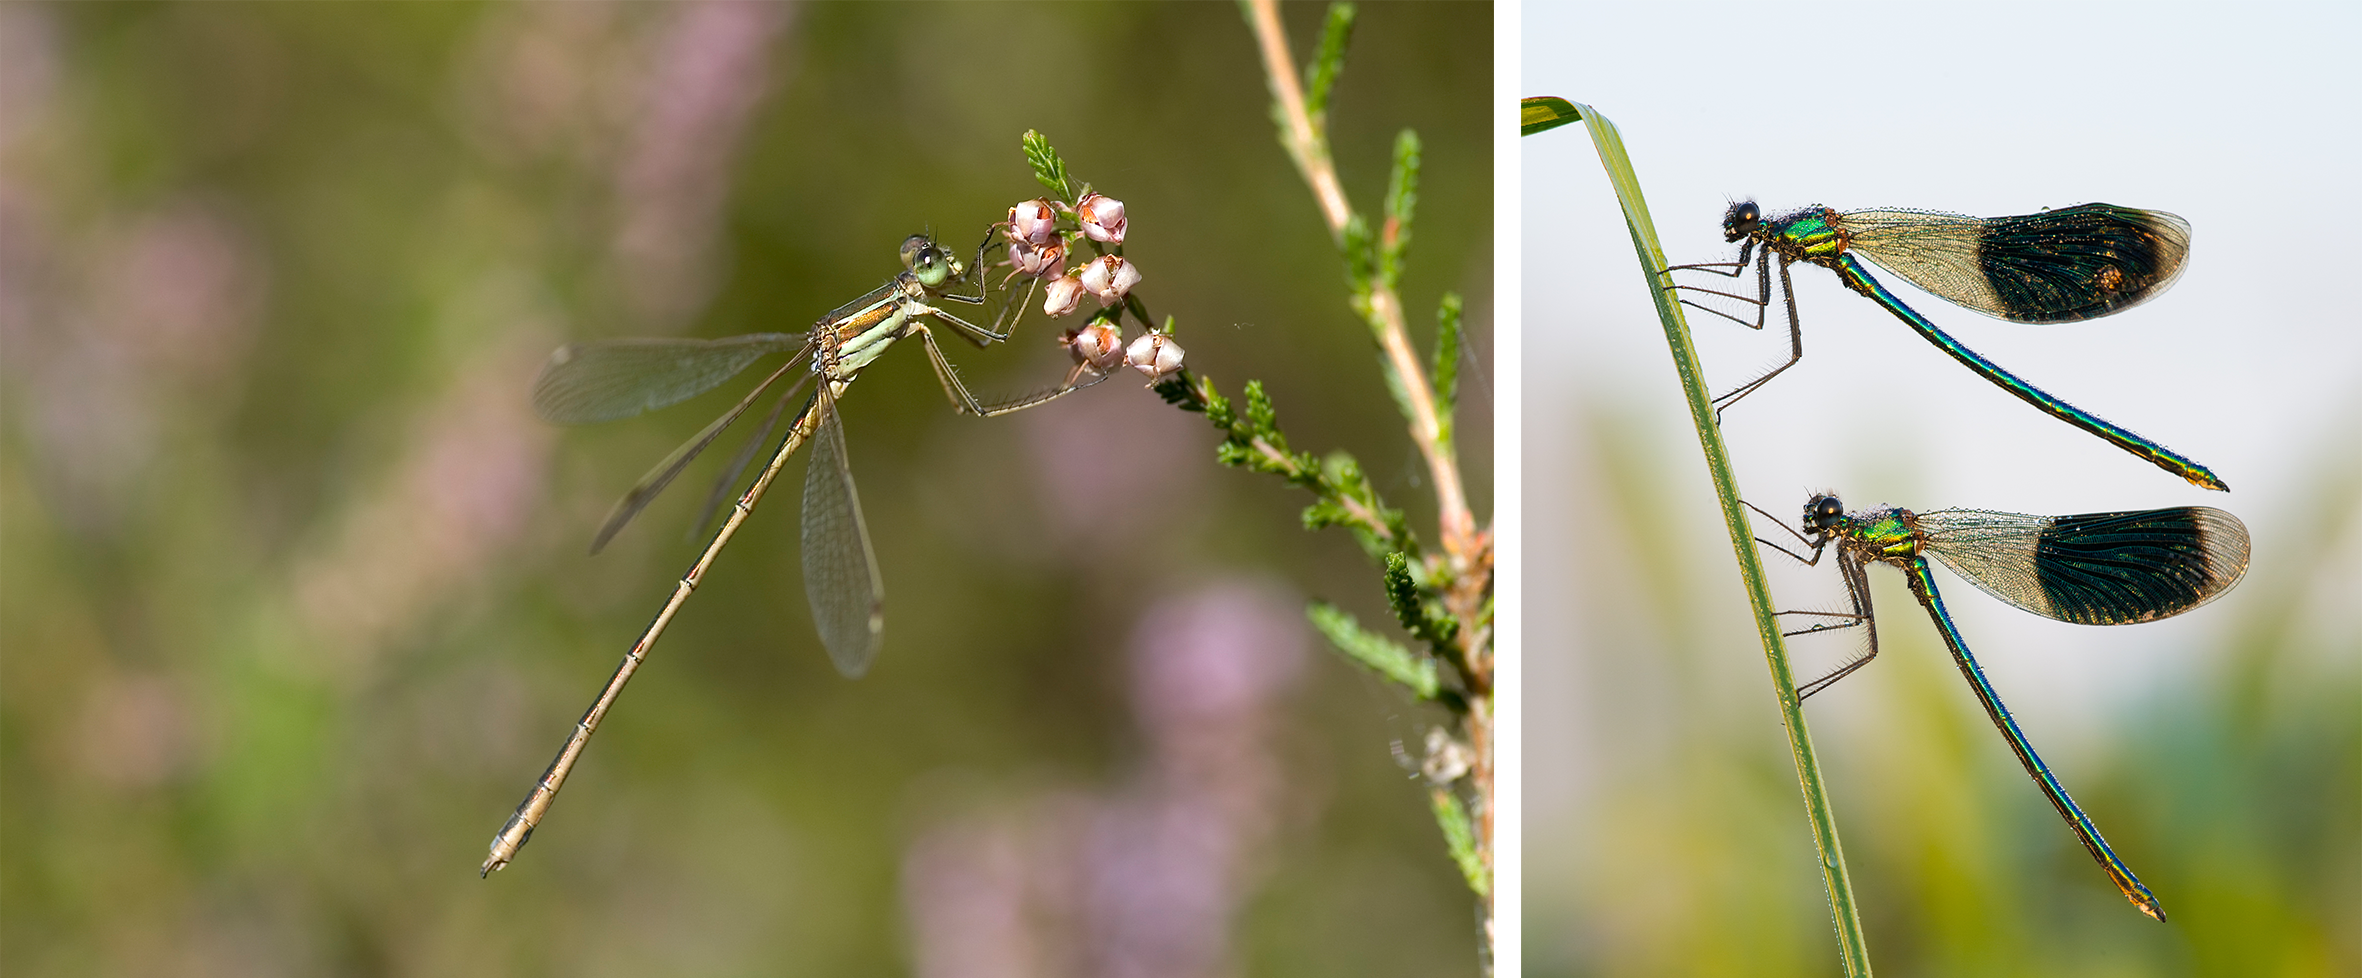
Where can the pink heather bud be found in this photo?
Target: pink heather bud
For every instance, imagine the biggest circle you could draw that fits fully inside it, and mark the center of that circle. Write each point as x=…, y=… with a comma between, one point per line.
x=1065, y=292
x=1110, y=278
x=1155, y=355
x=1099, y=346
x=1033, y=221
x=1102, y=218
x=1039, y=261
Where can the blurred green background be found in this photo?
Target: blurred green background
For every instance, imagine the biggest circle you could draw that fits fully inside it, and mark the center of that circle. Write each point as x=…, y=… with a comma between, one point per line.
x=2219, y=751
x=296, y=602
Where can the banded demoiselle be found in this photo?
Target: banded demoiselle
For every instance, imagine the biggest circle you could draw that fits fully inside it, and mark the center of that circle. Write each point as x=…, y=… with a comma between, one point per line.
x=585, y=383
x=2092, y=569
x=2055, y=266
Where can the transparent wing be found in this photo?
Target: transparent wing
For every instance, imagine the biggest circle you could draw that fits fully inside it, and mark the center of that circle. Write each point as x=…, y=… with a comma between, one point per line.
x=840, y=571
x=2094, y=568
x=586, y=383
x=654, y=482
x=2055, y=266
x=728, y=478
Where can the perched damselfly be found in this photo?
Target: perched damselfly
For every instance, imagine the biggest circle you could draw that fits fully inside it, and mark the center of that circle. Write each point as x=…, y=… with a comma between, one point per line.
x=2056, y=266
x=586, y=383
x=2092, y=569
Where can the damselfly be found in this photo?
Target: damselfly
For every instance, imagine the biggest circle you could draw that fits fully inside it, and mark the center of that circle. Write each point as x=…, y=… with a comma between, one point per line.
x=585, y=383
x=2057, y=266
x=2092, y=569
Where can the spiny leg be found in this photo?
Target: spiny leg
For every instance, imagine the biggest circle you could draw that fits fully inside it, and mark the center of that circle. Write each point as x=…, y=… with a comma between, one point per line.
x=1761, y=301
x=948, y=376
x=1795, y=344
x=968, y=331
x=1715, y=267
x=1857, y=589
x=1857, y=586
x=1817, y=545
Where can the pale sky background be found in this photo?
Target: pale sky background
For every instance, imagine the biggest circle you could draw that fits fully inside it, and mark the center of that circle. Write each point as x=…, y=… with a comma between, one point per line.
x=2240, y=119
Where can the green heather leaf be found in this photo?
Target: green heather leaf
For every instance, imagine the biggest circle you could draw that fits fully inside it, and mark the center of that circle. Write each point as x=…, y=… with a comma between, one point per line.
x=1446, y=368
x=1343, y=471
x=1380, y=654
x=1326, y=513
x=1262, y=418
x=1459, y=835
x=1361, y=256
x=1402, y=198
x=1217, y=407
x=1047, y=167
x=1402, y=592
x=1321, y=74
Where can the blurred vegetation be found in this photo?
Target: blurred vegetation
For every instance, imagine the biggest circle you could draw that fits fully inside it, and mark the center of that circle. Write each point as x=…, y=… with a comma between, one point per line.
x=295, y=602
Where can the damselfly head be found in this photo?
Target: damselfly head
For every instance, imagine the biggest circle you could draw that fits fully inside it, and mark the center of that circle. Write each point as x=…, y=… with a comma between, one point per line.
x=1741, y=220
x=929, y=262
x=1822, y=512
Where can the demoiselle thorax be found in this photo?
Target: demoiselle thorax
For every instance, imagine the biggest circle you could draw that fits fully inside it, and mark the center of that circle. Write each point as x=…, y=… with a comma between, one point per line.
x=2055, y=266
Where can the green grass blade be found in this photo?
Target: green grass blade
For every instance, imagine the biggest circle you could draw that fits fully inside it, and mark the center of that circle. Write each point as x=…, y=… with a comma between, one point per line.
x=1545, y=113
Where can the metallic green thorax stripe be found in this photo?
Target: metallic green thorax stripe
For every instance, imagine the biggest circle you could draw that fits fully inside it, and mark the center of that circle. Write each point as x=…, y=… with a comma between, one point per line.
x=1810, y=236
x=1858, y=279
x=1890, y=531
x=1923, y=586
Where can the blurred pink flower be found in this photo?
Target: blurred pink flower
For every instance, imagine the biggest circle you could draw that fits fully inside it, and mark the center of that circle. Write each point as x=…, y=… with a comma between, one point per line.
x=709, y=70
x=1146, y=882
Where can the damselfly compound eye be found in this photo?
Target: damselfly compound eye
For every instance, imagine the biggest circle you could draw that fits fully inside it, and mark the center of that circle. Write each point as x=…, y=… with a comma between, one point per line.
x=932, y=265
x=1102, y=218
x=1110, y=278
x=1822, y=512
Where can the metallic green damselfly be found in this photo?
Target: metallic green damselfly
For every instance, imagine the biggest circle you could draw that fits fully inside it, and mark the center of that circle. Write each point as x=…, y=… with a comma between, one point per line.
x=2092, y=569
x=2055, y=266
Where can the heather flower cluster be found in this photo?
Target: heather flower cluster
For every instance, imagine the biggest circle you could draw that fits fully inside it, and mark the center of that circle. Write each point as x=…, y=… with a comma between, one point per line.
x=1042, y=233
